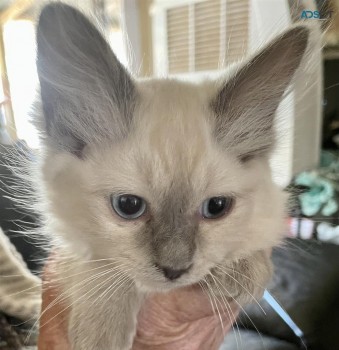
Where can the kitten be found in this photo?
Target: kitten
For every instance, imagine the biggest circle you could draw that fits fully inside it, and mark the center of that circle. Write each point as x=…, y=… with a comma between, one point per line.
x=155, y=184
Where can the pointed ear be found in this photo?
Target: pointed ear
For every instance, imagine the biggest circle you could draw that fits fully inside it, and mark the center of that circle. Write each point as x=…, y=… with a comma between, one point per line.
x=86, y=93
x=245, y=106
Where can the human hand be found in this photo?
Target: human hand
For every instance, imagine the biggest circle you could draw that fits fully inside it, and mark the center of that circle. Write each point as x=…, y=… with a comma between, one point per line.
x=181, y=319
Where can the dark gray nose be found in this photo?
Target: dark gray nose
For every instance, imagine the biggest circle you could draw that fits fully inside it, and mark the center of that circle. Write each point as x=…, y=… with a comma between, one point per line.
x=172, y=274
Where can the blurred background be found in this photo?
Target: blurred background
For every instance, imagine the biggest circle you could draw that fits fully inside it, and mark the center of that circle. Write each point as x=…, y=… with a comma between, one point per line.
x=189, y=38
x=193, y=39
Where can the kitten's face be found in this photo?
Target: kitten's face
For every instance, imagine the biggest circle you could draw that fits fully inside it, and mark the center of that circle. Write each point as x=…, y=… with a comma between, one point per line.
x=168, y=146
x=172, y=160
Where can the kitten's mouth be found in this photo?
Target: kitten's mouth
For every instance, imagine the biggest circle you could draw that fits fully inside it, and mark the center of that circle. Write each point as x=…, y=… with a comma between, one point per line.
x=166, y=278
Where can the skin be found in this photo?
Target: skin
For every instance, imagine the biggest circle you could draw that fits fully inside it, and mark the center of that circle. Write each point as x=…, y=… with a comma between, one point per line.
x=181, y=319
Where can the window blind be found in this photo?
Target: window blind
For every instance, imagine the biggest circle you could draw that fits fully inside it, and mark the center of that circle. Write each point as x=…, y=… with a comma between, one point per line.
x=206, y=35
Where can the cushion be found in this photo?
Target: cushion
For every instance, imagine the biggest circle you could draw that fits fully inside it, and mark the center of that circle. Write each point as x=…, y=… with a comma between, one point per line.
x=306, y=284
x=248, y=339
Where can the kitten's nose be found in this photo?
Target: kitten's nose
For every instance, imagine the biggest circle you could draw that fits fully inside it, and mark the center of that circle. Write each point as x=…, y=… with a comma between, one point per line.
x=172, y=274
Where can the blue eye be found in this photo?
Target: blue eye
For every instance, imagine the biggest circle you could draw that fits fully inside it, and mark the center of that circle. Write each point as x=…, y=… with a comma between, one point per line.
x=128, y=206
x=216, y=207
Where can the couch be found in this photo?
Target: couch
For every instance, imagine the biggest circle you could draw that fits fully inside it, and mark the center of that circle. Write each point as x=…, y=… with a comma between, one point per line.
x=306, y=284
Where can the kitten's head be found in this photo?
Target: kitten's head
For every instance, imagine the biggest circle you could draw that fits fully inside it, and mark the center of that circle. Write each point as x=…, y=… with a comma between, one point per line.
x=170, y=179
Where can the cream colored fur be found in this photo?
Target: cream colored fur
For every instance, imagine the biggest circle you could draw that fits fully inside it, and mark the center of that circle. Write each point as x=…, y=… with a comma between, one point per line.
x=20, y=290
x=170, y=141
x=168, y=148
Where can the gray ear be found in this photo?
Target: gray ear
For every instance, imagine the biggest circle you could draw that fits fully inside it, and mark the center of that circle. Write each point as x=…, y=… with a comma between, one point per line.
x=246, y=104
x=86, y=93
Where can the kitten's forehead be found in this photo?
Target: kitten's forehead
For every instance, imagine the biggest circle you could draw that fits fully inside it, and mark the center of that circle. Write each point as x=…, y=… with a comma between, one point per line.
x=171, y=147
x=174, y=119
